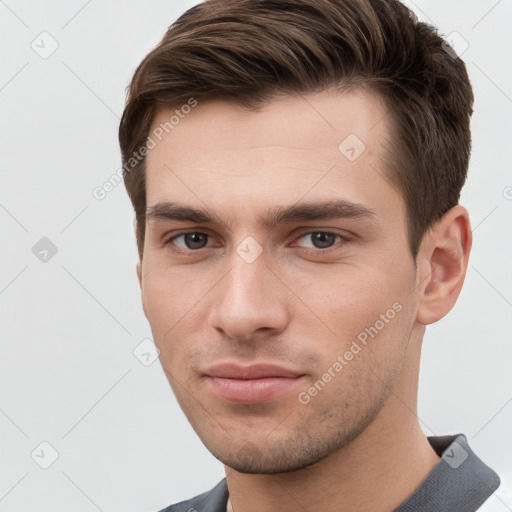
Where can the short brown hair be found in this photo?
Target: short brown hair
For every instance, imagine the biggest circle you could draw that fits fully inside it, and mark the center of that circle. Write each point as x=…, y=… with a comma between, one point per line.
x=249, y=51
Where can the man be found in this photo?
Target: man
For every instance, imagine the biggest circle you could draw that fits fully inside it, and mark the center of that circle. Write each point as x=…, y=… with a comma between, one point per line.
x=295, y=169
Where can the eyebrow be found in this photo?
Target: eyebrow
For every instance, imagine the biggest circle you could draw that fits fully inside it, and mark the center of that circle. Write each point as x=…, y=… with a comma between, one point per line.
x=323, y=210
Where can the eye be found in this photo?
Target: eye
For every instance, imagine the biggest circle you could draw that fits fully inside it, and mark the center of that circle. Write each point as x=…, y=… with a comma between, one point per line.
x=322, y=239
x=192, y=240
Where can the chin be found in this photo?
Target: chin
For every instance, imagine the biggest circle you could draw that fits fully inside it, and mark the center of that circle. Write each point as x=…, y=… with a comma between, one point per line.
x=271, y=459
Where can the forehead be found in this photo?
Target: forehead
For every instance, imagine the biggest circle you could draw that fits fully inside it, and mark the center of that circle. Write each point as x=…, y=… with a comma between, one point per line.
x=297, y=121
x=313, y=147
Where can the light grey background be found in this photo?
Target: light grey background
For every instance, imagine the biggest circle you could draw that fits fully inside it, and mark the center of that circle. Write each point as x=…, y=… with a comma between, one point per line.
x=69, y=325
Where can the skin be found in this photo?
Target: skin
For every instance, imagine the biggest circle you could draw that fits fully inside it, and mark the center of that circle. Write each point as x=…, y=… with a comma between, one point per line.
x=357, y=444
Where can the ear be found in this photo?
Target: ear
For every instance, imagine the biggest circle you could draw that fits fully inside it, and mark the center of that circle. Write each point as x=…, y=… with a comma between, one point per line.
x=138, y=270
x=442, y=262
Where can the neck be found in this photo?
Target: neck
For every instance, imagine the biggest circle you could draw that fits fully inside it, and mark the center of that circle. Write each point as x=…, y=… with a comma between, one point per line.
x=375, y=472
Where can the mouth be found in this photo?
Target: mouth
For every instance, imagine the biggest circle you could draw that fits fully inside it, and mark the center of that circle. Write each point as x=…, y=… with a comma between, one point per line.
x=249, y=384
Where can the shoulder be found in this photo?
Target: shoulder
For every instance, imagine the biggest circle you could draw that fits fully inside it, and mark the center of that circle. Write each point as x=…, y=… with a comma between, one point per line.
x=459, y=481
x=214, y=500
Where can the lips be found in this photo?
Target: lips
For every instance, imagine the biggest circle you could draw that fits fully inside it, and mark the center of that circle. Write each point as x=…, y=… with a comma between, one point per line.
x=253, y=383
x=255, y=371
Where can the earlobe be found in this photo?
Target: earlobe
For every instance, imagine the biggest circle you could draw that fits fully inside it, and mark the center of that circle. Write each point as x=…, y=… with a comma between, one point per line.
x=443, y=258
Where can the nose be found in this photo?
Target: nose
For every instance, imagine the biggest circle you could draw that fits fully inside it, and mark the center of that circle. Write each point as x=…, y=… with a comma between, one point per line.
x=250, y=298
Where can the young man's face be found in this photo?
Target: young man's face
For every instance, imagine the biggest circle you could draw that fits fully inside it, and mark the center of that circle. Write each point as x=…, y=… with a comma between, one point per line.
x=330, y=300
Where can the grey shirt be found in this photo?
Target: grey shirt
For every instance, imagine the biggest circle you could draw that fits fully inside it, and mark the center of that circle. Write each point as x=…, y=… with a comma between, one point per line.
x=459, y=482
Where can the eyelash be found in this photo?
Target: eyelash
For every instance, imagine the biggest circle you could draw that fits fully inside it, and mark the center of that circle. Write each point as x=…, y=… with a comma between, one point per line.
x=342, y=238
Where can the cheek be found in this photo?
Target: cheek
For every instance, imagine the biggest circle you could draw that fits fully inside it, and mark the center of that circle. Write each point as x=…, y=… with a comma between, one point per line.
x=169, y=292
x=351, y=310
x=168, y=304
x=348, y=299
